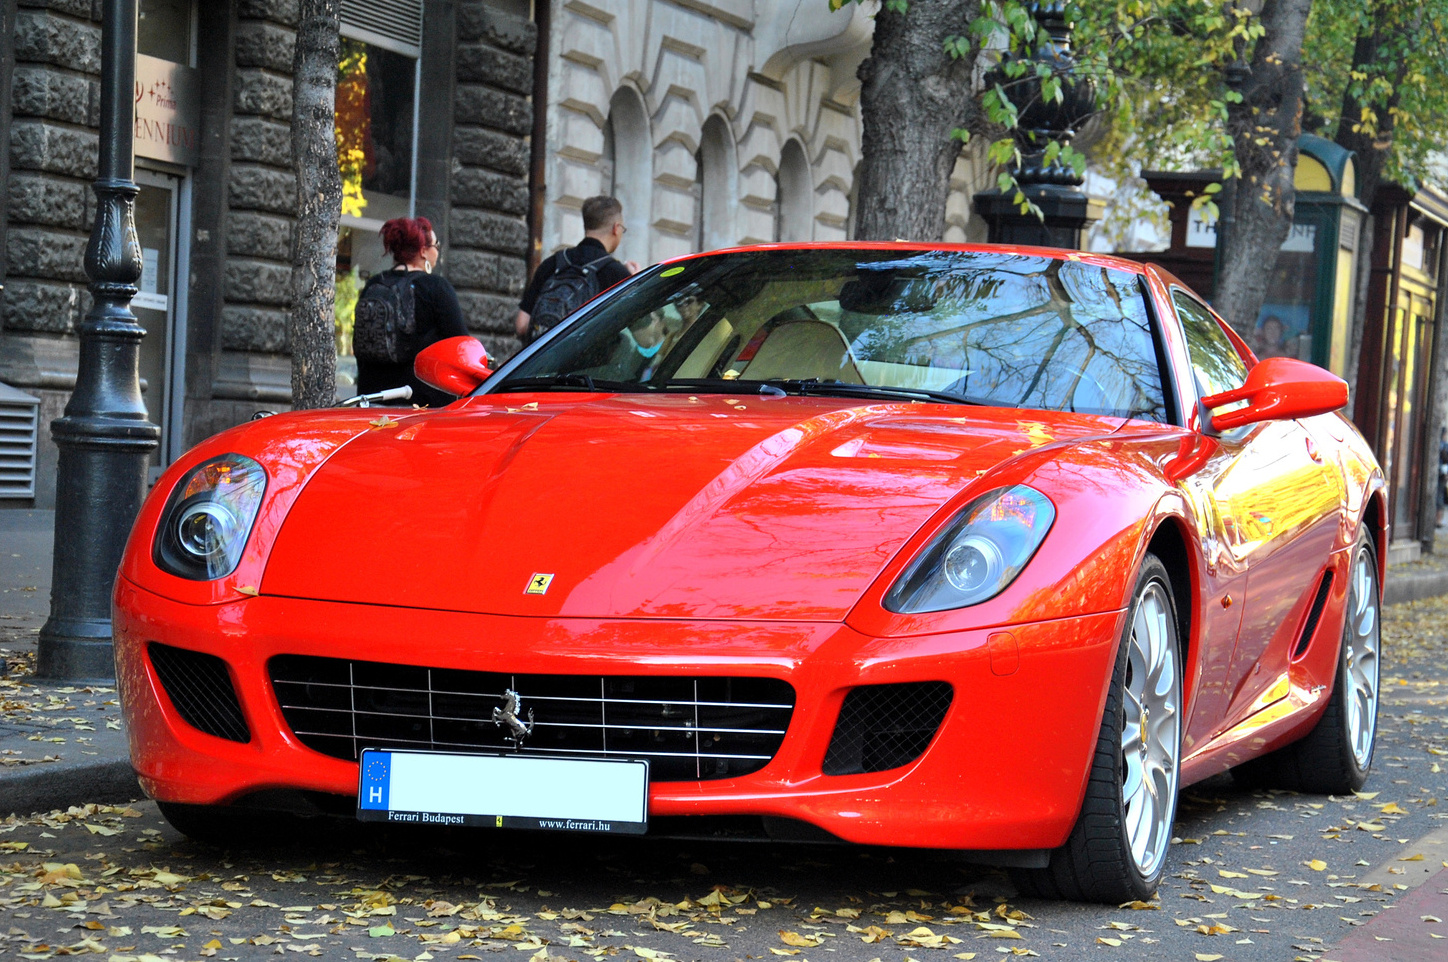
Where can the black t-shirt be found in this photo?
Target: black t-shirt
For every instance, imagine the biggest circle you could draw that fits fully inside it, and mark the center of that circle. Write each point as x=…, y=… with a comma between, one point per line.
x=610, y=272
x=439, y=316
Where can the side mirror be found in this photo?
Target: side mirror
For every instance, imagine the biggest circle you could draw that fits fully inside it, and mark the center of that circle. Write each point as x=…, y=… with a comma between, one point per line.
x=1279, y=388
x=456, y=365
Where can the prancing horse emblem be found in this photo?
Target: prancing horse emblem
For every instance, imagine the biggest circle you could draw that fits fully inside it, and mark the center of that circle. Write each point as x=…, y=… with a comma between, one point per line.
x=508, y=715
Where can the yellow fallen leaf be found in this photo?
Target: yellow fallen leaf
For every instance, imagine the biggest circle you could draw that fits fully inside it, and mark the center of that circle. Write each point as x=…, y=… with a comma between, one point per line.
x=383, y=422
x=247, y=590
x=794, y=938
x=1418, y=857
x=1392, y=808
x=100, y=829
x=1366, y=796
x=1103, y=940
x=784, y=951
x=1317, y=865
x=967, y=956
x=1207, y=957
x=1371, y=826
x=1226, y=874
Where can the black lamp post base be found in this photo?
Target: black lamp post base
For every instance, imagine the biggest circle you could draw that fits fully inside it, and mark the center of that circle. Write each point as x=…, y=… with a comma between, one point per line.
x=76, y=651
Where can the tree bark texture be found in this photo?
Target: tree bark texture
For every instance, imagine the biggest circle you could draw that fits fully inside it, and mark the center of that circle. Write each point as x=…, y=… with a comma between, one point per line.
x=319, y=203
x=1264, y=129
x=913, y=95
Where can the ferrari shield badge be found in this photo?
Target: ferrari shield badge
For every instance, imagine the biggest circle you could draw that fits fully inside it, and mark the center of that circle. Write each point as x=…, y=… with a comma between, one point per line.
x=538, y=584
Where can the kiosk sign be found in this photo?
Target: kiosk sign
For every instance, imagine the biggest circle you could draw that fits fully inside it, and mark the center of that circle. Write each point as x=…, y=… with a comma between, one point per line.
x=168, y=111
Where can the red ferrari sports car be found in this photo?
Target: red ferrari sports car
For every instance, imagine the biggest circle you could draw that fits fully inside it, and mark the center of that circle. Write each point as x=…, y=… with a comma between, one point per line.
x=976, y=548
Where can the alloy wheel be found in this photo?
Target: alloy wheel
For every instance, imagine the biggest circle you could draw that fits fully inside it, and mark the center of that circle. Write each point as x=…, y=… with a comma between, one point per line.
x=1151, y=730
x=1361, y=658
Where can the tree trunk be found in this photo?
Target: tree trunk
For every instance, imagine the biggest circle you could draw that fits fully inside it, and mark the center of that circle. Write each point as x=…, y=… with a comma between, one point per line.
x=319, y=203
x=1264, y=129
x=913, y=95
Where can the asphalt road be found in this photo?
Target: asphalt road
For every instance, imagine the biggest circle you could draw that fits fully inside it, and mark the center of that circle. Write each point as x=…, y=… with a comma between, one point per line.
x=1255, y=876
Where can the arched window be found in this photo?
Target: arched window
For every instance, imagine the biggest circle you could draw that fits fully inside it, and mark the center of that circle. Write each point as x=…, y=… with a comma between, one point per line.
x=629, y=149
x=718, y=184
x=796, y=195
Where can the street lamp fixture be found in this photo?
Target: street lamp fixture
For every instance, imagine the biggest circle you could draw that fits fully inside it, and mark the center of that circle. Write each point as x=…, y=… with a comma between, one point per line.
x=104, y=437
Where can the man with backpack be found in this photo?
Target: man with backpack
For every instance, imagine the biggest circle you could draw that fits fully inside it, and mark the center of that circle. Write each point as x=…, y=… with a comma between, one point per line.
x=569, y=279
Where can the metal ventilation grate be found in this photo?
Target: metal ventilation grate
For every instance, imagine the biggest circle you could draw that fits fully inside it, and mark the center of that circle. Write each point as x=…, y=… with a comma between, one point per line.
x=199, y=685
x=886, y=726
x=392, y=24
x=689, y=728
x=19, y=431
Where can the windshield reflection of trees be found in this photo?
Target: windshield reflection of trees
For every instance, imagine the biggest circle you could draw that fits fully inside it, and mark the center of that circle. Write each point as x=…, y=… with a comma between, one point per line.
x=1010, y=330
x=1078, y=339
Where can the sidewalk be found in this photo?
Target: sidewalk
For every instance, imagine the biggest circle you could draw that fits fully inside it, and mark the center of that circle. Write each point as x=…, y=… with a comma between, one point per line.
x=59, y=745
x=63, y=745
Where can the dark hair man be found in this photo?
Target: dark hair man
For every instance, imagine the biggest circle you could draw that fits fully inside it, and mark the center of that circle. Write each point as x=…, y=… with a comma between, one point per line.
x=578, y=272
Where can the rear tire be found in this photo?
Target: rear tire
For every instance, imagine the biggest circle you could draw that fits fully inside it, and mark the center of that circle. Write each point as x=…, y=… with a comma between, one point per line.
x=1117, y=850
x=1336, y=755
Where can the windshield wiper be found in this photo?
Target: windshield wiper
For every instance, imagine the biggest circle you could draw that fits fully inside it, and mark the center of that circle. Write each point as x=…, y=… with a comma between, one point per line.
x=565, y=382
x=814, y=386
x=717, y=385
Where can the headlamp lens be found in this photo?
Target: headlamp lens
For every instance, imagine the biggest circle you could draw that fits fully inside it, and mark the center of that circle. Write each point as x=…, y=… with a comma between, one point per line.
x=977, y=555
x=209, y=517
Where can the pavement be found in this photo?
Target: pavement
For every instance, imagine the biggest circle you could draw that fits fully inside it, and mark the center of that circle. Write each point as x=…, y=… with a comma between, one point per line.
x=64, y=747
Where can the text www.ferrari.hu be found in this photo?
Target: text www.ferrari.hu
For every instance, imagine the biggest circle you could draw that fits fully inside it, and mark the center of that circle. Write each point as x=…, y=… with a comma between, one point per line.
x=570, y=825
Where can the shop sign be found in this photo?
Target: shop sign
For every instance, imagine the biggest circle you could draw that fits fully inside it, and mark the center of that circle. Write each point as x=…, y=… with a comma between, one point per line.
x=1202, y=232
x=168, y=111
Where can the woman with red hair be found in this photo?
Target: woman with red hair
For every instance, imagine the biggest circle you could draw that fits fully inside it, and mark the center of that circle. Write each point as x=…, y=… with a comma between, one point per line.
x=413, y=246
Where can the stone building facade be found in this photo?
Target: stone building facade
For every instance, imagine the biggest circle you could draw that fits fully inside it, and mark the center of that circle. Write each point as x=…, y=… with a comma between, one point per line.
x=717, y=122
x=216, y=226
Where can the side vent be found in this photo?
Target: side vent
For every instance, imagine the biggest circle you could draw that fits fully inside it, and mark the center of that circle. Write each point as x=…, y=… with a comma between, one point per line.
x=19, y=430
x=1314, y=615
x=199, y=685
x=886, y=726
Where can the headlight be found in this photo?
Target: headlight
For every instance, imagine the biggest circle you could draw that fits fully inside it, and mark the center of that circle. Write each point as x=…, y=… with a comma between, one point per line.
x=977, y=555
x=208, y=518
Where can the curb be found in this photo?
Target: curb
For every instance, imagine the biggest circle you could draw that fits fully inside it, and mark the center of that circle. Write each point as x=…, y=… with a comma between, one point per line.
x=43, y=787
x=1414, y=586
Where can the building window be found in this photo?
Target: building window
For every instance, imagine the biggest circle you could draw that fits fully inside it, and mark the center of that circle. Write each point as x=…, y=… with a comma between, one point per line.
x=718, y=177
x=795, y=194
x=164, y=29
x=629, y=152
x=377, y=103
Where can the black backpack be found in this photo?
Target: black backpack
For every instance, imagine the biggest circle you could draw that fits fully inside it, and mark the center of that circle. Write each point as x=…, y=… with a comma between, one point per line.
x=569, y=288
x=386, y=319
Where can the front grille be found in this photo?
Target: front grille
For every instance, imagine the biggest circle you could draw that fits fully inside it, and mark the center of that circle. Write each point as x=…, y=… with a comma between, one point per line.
x=688, y=728
x=886, y=726
x=200, y=687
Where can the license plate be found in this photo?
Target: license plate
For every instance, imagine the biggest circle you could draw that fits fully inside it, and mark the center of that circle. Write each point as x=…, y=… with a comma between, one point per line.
x=504, y=791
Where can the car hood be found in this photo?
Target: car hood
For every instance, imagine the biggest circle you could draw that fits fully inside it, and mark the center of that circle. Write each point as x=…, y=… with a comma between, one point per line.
x=628, y=506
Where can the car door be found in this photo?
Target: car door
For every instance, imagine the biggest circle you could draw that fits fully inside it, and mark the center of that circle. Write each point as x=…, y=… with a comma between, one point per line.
x=1277, y=500
x=1199, y=473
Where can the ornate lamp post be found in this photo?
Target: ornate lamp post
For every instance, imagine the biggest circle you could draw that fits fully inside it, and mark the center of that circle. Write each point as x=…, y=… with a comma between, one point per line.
x=1054, y=187
x=104, y=437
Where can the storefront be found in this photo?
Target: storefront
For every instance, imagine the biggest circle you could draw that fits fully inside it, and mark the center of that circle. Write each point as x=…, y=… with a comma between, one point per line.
x=1397, y=373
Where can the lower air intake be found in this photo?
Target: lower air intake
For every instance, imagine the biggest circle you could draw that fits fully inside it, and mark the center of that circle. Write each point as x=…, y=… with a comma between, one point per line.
x=200, y=687
x=886, y=726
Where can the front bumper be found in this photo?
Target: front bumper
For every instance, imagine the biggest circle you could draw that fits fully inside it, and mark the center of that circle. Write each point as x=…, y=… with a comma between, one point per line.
x=1006, y=770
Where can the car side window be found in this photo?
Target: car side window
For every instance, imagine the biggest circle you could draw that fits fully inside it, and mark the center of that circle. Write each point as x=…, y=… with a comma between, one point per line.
x=1215, y=362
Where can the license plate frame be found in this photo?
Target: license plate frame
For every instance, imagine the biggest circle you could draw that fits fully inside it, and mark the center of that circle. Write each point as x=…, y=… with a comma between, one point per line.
x=497, y=790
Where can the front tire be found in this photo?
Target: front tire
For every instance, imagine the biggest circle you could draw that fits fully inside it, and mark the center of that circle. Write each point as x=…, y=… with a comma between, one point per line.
x=1117, y=850
x=229, y=828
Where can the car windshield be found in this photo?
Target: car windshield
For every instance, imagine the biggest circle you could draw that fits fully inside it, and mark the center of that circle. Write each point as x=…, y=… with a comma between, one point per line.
x=993, y=328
